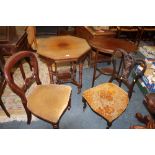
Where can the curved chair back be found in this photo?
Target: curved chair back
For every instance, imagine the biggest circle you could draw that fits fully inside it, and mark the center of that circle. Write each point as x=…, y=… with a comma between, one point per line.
x=16, y=61
x=124, y=66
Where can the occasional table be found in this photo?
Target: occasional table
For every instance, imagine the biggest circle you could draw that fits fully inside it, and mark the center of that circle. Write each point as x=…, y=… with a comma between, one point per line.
x=106, y=46
x=63, y=49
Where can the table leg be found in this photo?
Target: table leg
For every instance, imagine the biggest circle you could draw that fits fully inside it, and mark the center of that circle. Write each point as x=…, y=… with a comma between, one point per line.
x=80, y=77
x=56, y=74
x=50, y=73
x=95, y=66
x=74, y=71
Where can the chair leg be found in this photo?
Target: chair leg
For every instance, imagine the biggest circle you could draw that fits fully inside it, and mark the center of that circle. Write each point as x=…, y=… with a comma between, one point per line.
x=4, y=109
x=55, y=125
x=84, y=104
x=109, y=124
x=29, y=117
x=69, y=104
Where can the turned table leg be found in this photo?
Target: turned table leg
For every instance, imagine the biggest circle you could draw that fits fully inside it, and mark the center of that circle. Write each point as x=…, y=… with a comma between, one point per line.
x=95, y=67
x=80, y=77
x=50, y=73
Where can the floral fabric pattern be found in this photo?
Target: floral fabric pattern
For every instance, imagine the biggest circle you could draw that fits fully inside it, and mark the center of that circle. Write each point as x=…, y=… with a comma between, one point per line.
x=108, y=100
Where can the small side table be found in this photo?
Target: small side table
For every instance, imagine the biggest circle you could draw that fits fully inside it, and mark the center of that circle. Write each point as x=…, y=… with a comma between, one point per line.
x=60, y=49
x=107, y=46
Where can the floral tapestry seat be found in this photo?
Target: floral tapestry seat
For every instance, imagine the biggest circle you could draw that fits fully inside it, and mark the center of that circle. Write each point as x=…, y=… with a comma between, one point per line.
x=108, y=100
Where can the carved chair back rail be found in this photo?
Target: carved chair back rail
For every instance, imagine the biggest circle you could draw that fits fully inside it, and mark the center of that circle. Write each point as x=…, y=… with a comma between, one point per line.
x=123, y=66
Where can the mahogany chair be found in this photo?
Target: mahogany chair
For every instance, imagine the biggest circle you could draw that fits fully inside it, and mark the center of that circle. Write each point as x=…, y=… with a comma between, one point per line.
x=109, y=100
x=148, y=120
x=2, y=84
x=47, y=102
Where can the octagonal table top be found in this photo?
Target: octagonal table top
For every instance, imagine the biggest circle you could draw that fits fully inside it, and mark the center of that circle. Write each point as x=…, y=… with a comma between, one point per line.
x=62, y=47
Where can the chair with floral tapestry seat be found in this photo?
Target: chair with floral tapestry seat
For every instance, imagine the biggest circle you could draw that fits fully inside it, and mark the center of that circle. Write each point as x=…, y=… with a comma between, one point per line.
x=47, y=102
x=108, y=99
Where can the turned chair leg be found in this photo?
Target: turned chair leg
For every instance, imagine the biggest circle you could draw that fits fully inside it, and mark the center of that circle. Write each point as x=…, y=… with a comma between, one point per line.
x=55, y=125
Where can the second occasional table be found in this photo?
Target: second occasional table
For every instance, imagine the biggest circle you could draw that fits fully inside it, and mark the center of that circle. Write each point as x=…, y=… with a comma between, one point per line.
x=107, y=46
x=63, y=49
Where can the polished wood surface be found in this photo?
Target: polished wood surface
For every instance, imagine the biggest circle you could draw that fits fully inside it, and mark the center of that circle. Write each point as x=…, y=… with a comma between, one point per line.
x=108, y=45
x=60, y=49
x=94, y=32
x=100, y=32
x=89, y=32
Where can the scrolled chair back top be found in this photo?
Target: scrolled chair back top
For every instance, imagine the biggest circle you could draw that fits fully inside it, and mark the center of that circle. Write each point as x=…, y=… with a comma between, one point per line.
x=16, y=61
x=124, y=64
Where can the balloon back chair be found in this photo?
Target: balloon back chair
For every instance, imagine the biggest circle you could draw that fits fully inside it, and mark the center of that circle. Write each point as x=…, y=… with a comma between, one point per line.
x=47, y=102
x=108, y=99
